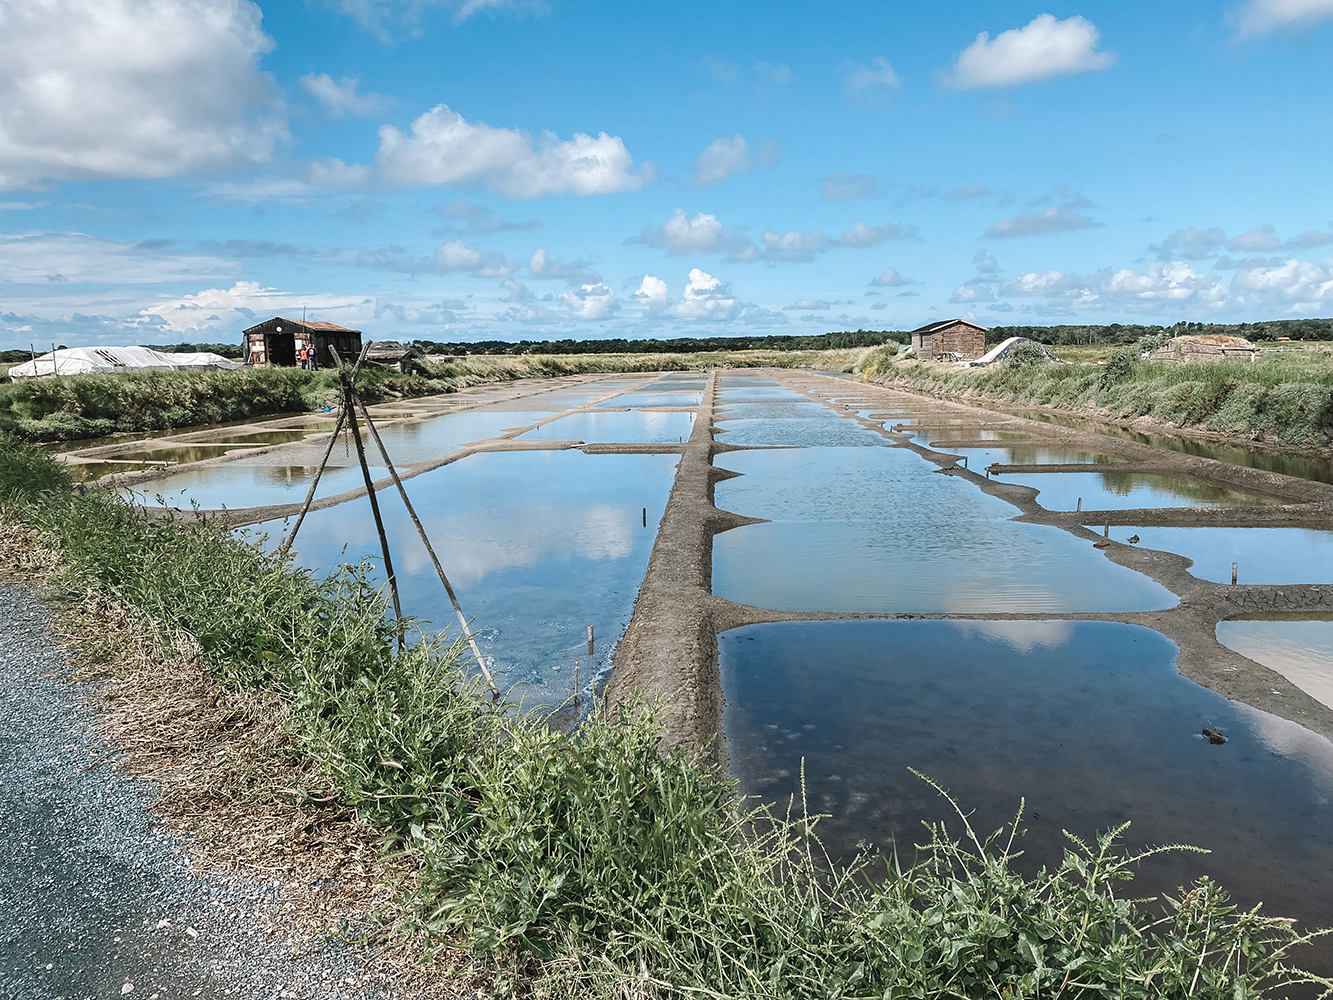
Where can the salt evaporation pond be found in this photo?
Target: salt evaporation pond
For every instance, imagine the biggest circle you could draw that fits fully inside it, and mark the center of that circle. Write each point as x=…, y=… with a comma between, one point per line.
x=1090, y=721
x=637, y=425
x=235, y=485
x=1299, y=650
x=538, y=545
x=880, y=530
x=1126, y=491
x=790, y=423
x=1274, y=556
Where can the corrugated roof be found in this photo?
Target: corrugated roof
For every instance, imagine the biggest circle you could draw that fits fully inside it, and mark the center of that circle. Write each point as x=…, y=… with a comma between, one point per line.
x=316, y=325
x=932, y=327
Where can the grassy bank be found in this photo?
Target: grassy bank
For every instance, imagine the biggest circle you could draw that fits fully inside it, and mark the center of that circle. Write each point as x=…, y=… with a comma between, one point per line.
x=1285, y=397
x=590, y=864
x=86, y=406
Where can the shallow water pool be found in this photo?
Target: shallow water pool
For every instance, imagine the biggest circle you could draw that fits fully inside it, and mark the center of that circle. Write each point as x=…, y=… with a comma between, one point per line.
x=879, y=530
x=1301, y=651
x=538, y=545
x=634, y=426
x=1126, y=491
x=1090, y=721
x=1263, y=555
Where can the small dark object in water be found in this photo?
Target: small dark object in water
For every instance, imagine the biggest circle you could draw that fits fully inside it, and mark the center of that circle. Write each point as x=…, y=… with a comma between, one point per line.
x=1214, y=737
x=1133, y=539
x=1100, y=545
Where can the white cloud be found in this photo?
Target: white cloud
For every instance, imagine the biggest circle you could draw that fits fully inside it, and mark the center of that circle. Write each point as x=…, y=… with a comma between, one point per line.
x=682, y=236
x=801, y=247
x=1048, y=220
x=849, y=187
x=1259, y=17
x=874, y=86
x=261, y=190
x=984, y=262
x=443, y=149
x=384, y=17
x=705, y=299
x=653, y=294
x=232, y=309
x=590, y=302
x=808, y=305
x=543, y=267
x=340, y=97
x=890, y=279
x=1190, y=244
x=30, y=257
x=430, y=314
x=454, y=257
x=1175, y=288
x=725, y=157
x=1260, y=239
x=132, y=89
x=1042, y=50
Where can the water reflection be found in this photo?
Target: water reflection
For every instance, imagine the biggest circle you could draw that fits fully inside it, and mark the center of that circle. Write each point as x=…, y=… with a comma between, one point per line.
x=1090, y=721
x=1301, y=651
x=539, y=546
x=1126, y=491
x=1262, y=555
x=636, y=425
x=877, y=529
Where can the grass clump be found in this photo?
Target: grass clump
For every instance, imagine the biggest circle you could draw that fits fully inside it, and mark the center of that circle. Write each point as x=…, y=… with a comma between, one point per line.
x=1286, y=397
x=591, y=864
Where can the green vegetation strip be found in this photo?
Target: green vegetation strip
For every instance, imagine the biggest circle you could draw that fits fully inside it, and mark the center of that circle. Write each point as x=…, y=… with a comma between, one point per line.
x=1288, y=397
x=592, y=865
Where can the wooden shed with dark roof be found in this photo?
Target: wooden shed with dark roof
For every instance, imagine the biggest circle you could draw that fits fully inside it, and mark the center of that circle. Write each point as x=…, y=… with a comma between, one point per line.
x=950, y=340
x=280, y=341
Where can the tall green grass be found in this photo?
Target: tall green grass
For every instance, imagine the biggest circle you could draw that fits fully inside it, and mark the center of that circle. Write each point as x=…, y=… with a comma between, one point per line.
x=591, y=864
x=1289, y=398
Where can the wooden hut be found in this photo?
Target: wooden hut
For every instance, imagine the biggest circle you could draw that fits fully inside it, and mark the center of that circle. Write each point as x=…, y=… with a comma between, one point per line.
x=280, y=341
x=950, y=340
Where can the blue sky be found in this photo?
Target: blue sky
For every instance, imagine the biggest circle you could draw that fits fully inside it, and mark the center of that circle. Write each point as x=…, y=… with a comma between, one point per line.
x=526, y=169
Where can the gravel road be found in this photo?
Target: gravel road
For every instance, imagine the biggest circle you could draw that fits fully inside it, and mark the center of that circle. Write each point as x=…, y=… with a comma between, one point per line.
x=96, y=899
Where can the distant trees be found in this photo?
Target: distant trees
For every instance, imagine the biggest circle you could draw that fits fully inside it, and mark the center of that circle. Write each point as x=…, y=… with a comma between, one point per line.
x=1130, y=333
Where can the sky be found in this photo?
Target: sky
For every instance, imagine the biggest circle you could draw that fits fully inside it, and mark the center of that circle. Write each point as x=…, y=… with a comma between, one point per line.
x=462, y=170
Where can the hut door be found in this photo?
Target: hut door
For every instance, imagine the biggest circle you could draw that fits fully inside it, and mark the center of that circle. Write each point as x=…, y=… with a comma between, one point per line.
x=281, y=349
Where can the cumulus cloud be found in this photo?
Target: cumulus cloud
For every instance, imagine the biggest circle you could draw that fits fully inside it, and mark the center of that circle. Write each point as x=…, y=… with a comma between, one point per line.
x=873, y=87
x=725, y=157
x=1048, y=220
x=972, y=292
x=1257, y=240
x=891, y=278
x=1176, y=288
x=849, y=187
x=225, y=308
x=340, y=98
x=444, y=149
x=590, y=302
x=454, y=257
x=807, y=305
x=430, y=314
x=1260, y=17
x=985, y=263
x=1043, y=49
x=682, y=236
x=1311, y=238
x=132, y=89
x=705, y=299
x=801, y=247
x=1190, y=244
x=543, y=267
x=481, y=219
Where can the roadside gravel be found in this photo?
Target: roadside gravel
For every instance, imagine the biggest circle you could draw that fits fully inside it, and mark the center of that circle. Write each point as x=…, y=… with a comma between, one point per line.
x=96, y=899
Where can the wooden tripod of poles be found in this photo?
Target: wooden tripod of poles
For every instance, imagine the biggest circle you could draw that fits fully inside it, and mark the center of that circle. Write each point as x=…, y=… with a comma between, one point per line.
x=351, y=403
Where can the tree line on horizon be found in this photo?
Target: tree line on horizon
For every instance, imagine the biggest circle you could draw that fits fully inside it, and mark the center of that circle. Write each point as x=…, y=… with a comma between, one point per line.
x=1058, y=335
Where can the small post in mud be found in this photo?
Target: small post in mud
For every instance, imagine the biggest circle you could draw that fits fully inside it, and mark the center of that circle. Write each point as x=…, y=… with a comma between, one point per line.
x=1234, y=568
x=590, y=640
x=1080, y=504
x=645, y=517
x=1106, y=532
x=576, y=683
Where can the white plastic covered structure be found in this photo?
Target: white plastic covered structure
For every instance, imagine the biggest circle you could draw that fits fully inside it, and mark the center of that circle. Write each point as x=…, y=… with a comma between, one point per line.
x=1004, y=349
x=108, y=360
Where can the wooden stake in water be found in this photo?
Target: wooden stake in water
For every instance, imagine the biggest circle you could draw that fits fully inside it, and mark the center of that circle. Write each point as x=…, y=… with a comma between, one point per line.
x=590, y=640
x=1080, y=504
x=1106, y=532
x=1234, y=568
x=645, y=517
x=576, y=682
